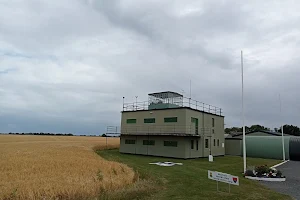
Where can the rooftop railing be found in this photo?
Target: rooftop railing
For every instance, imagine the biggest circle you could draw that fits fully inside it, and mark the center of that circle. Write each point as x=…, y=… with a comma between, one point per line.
x=186, y=102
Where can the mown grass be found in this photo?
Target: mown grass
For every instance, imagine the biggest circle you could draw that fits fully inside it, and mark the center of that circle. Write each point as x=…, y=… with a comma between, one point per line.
x=188, y=181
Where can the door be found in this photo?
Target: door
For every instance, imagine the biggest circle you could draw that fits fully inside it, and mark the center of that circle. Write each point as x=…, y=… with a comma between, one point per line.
x=194, y=127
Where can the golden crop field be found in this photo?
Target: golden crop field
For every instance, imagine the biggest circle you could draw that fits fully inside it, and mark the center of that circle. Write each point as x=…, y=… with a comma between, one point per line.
x=58, y=167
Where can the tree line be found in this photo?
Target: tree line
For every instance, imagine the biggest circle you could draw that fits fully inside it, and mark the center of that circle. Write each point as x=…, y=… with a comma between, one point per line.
x=287, y=129
x=59, y=134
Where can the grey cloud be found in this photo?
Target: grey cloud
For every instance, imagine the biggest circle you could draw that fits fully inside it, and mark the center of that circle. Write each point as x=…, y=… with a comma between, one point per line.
x=73, y=61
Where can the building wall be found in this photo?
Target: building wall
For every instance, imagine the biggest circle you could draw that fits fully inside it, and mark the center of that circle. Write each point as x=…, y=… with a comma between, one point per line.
x=193, y=152
x=126, y=148
x=259, y=147
x=208, y=131
x=233, y=147
x=267, y=147
x=158, y=149
x=159, y=126
x=186, y=124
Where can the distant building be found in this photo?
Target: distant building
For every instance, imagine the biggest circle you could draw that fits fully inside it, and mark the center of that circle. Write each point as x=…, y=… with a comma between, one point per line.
x=255, y=133
x=263, y=144
x=171, y=125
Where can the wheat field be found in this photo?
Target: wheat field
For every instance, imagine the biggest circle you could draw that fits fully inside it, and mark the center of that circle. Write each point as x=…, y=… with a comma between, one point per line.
x=58, y=167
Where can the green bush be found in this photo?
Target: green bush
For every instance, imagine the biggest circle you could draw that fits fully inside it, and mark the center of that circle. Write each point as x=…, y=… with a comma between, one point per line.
x=260, y=170
x=279, y=174
x=249, y=173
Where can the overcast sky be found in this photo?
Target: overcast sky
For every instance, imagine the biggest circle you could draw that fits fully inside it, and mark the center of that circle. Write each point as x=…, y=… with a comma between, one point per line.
x=65, y=65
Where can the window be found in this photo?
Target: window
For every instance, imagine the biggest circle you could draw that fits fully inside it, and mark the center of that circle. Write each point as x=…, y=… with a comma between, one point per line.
x=148, y=142
x=170, y=119
x=131, y=121
x=218, y=142
x=129, y=141
x=149, y=120
x=197, y=145
x=206, y=143
x=192, y=144
x=213, y=122
x=214, y=142
x=213, y=131
x=195, y=121
x=170, y=143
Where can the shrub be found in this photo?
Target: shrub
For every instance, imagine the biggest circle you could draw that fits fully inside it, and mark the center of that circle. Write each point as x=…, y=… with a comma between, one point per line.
x=249, y=173
x=279, y=174
x=261, y=170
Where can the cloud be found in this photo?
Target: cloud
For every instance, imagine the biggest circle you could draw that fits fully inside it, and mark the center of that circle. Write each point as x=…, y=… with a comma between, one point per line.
x=67, y=64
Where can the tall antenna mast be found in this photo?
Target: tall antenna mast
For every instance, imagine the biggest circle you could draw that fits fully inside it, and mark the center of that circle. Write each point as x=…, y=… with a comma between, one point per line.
x=244, y=134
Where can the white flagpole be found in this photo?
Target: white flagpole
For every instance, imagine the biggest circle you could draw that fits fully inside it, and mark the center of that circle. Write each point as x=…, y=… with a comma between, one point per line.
x=244, y=135
x=282, y=137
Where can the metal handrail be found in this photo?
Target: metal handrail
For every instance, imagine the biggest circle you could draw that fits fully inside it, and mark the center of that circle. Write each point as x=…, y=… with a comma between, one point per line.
x=187, y=102
x=164, y=129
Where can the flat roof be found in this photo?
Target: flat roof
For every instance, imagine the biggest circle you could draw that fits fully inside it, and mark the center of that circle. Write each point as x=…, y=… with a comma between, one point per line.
x=185, y=107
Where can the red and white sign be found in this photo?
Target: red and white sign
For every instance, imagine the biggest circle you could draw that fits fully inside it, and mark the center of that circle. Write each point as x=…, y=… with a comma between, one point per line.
x=223, y=177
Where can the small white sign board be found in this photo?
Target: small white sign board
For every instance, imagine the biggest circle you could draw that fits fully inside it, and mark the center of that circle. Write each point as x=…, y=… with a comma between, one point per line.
x=210, y=158
x=223, y=177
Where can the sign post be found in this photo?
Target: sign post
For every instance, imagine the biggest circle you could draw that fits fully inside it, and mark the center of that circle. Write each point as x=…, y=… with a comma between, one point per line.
x=223, y=177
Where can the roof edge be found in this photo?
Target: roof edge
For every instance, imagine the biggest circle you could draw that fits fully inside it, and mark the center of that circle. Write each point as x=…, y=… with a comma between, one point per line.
x=174, y=109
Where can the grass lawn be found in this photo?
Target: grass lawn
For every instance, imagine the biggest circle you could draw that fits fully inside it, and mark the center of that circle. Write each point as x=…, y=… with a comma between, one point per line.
x=190, y=180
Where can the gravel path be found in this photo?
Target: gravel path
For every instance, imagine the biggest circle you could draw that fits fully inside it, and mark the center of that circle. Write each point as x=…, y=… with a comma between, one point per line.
x=291, y=186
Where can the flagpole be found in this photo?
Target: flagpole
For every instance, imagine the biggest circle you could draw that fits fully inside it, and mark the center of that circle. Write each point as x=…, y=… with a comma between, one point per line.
x=244, y=135
x=282, y=138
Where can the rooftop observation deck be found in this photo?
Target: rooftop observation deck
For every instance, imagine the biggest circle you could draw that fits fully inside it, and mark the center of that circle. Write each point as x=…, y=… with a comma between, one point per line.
x=168, y=100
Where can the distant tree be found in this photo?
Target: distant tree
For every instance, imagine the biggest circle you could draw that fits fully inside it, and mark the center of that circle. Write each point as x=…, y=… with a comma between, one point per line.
x=290, y=129
x=233, y=130
x=258, y=128
x=103, y=135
